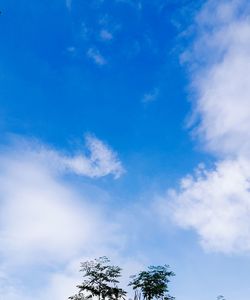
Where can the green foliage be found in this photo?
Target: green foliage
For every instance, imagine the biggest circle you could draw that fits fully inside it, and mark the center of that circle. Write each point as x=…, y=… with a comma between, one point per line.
x=101, y=281
x=79, y=296
x=153, y=283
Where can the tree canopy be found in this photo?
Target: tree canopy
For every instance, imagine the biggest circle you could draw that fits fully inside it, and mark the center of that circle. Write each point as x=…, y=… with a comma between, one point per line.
x=101, y=280
x=153, y=283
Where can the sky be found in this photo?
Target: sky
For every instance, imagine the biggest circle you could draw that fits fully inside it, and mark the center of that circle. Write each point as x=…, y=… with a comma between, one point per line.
x=125, y=132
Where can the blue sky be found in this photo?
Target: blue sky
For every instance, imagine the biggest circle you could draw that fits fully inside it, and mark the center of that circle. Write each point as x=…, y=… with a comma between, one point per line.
x=125, y=132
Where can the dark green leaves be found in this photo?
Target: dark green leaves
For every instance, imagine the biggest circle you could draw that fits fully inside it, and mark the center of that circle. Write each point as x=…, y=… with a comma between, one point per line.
x=101, y=280
x=153, y=283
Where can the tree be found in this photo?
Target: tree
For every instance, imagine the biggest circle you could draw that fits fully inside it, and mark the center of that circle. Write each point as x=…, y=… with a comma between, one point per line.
x=101, y=280
x=153, y=283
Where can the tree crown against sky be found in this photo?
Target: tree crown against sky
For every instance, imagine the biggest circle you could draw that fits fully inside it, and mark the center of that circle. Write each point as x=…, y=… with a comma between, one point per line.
x=101, y=280
x=153, y=282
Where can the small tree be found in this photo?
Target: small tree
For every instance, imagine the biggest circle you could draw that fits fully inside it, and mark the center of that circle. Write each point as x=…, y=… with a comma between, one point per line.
x=101, y=280
x=153, y=283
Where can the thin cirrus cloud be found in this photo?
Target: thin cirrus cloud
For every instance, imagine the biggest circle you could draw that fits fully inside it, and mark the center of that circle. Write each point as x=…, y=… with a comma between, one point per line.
x=101, y=161
x=68, y=4
x=36, y=205
x=45, y=220
x=216, y=202
x=96, y=56
x=98, y=160
x=106, y=35
x=151, y=96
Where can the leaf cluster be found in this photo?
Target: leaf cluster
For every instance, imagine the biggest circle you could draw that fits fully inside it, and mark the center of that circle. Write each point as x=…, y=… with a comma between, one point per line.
x=153, y=283
x=101, y=280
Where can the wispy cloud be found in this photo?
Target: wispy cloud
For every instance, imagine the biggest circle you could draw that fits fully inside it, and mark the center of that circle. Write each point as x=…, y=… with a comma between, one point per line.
x=96, y=56
x=151, y=96
x=216, y=202
x=101, y=161
x=69, y=4
x=106, y=35
x=36, y=206
x=46, y=220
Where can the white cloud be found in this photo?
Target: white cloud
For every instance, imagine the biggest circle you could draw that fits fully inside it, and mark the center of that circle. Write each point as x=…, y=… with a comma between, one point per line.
x=106, y=35
x=151, y=97
x=216, y=203
x=45, y=220
x=37, y=206
x=98, y=160
x=96, y=56
x=222, y=86
x=36, y=209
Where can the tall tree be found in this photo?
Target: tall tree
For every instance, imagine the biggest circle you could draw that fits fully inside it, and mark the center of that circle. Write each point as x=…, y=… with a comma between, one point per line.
x=101, y=280
x=153, y=283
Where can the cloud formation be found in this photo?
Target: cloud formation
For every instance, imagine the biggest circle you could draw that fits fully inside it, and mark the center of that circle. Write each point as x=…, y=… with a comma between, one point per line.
x=151, y=96
x=215, y=202
x=222, y=84
x=106, y=35
x=47, y=221
x=101, y=161
x=96, y=160
x=96, y=56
